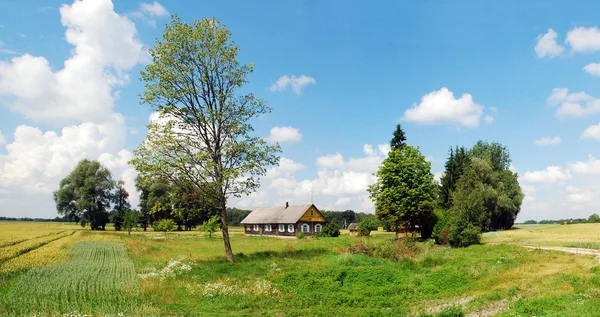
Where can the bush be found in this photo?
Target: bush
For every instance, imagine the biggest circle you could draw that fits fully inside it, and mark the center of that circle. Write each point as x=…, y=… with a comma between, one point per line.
x=396, y=251
x=464, y=236
x=330, y=230
x=211, y=225
x=440, y=225
x=366, y=226
x=164, y=225
x=301, y=235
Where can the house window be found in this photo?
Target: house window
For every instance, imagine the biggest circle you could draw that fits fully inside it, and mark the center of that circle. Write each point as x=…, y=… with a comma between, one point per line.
x=312, y=212
x=305, y=228
x=318, y=227
x=281, y=228
x=290, y=228
x=268, y=228
x=255, y=227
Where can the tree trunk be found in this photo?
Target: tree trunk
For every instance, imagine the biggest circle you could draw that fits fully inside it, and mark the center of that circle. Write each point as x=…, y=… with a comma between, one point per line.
x=225, y=231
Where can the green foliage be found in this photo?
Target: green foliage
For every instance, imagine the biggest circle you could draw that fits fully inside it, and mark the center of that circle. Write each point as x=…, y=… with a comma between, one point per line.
x=330, y=230
x=530, y=222
x=399, y=139
x=164, y=225
x=594, y=218
x=121, y=205
x=203, y=135
x=85, y=194
x=456, y=165
x=235, y=216
x=396, y=250
x=131, y=220
x=462, y=234
x=405, y=189
x=440, y=230
x=211, y=225
x=366, y=226
x=301, y=235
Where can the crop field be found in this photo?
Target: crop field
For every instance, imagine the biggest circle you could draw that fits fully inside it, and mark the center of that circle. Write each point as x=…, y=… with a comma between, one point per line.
x=185, y=274
x=575, y=236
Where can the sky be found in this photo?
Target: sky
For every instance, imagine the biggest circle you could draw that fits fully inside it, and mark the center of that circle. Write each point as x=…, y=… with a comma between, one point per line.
x=339, y=75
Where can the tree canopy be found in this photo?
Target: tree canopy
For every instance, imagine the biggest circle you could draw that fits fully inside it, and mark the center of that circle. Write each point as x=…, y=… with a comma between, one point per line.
x=86, y=194
x=203, y=135
x=404, y=192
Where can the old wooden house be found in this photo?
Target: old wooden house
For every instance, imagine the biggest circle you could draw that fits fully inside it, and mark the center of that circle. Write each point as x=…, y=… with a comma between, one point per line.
x=285, y=221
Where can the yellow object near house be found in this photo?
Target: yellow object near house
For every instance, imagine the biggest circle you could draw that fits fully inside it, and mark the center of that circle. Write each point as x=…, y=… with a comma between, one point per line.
x=379, y=228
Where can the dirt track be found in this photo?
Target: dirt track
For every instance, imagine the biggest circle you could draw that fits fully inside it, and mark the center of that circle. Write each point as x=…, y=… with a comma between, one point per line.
x=570, y=250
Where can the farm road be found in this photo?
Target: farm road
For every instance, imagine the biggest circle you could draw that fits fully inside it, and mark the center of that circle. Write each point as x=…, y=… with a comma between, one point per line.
x=570, y=250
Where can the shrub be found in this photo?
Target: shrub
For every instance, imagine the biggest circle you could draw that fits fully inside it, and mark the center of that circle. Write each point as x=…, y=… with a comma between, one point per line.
x=444, y=236
x=301, y=235
x=366, y=226
x=330, y=230
x=464, y=236
x=211, y=225
x=164, y=225
x=397, y=250
x=441, y=223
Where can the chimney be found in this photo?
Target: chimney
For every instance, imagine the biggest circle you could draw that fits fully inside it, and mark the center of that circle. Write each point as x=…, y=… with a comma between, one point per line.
x=286, y=204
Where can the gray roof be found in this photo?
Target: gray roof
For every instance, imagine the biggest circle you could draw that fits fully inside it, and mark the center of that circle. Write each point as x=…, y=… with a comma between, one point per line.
x=281, y=214
x=353, y=226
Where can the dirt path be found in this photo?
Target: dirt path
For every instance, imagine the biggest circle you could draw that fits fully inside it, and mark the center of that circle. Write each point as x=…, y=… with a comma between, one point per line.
x=580, y=251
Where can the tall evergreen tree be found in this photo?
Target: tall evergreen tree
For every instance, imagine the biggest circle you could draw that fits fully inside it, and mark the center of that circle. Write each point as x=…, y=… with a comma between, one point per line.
x=121, y=205
x=399, y=139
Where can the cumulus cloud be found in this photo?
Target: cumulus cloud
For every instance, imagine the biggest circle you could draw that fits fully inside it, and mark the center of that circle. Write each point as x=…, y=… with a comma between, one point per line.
x=551, y=174
x=584, y=40
x=296, y=83
x=286, y=168
x=2, y=139
x=576, y=104
x=440, y=107
x=78, y=99
x=339, y=183
x=591, y=132
x=592, y=166
x=284, y=135
x=579, y=195
x=546, y=45
x=592, y=69
x=547, y=141
x=106, y=46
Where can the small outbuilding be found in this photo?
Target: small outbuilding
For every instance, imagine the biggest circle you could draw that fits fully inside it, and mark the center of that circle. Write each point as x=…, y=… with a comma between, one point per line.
x=285, y=221
x=353, y=228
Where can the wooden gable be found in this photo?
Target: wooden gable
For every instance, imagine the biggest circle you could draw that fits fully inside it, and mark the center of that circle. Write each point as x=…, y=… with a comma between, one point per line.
x=312, y=214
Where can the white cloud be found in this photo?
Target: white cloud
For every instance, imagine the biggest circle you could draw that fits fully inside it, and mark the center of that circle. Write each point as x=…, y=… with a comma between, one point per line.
x=488, y=119
x=154, y=9
x=593, y=69
x=578, y=195
x=584, y=40
x=578, y=104
x=591, y=132
x=2, y=139
x=331, y=161
x=78, y=99
x=592, y=166
x=547, y=141
x=296, y=83
x=284, y=134
x=148, y=12
x=286, y=167
x=546, y=45
x=551, y=174
x=106, y=47
x=440, y=106
x=338, y=185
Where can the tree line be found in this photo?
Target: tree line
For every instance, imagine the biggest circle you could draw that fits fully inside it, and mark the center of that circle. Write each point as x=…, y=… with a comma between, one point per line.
x=477, y=192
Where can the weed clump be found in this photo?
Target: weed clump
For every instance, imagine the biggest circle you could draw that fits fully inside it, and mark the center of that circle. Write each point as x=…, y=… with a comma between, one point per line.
x=396, y=251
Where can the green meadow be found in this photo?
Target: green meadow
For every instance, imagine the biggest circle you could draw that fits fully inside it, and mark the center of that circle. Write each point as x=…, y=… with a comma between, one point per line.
x=186, y=274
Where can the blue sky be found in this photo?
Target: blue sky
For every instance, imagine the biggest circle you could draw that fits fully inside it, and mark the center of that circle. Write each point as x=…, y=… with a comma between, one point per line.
x=451, y=72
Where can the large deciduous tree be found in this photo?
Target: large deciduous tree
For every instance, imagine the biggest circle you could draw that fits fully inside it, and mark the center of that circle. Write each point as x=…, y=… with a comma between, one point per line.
x=203, y=133
x=404, y=193
x=86, y=194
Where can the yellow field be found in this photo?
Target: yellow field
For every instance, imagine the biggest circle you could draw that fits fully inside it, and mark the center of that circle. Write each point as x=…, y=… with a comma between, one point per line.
x=574, y=235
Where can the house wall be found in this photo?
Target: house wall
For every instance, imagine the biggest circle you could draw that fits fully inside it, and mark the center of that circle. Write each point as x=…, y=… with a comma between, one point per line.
x=315, y=217
x=249, y=230
x=311, y=226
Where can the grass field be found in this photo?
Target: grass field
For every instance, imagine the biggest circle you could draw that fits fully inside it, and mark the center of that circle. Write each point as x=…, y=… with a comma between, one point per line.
x=185, y=274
